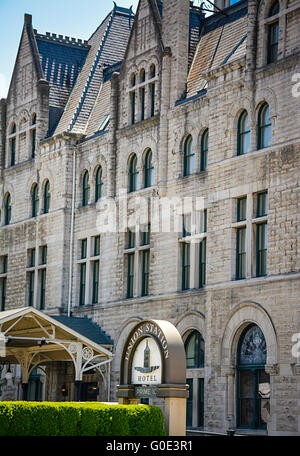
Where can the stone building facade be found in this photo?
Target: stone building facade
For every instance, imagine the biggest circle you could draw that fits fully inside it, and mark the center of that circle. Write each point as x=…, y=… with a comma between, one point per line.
x=165, y=116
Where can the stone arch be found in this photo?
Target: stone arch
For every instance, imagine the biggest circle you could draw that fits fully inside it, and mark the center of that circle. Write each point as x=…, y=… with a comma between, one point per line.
x=190, y=321
x=241, y=316
x=266, y=95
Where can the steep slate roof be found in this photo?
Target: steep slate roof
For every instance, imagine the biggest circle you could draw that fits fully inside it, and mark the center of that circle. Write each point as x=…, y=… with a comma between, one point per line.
x=61, y=60
x=223, y=40
x=86, y=327
x=107, y=46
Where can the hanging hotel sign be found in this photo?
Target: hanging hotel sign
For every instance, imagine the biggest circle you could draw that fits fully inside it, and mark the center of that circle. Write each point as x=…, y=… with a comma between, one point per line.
x=153, y=362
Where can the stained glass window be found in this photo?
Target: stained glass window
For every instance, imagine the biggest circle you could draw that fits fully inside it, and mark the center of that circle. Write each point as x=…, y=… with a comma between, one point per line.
x=253, y=349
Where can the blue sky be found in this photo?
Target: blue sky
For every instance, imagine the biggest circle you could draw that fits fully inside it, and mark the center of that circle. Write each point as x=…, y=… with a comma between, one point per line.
x=65, y=17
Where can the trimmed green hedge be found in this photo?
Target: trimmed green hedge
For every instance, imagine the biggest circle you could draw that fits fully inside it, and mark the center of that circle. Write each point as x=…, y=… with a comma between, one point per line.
x=79, y=419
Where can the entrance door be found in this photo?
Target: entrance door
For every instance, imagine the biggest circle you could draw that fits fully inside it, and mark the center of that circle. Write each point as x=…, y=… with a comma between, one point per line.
x=89, y=392
x=189, y=404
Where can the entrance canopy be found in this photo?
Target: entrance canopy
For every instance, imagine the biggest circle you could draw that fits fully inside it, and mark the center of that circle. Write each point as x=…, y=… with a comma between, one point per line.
x=30, y=338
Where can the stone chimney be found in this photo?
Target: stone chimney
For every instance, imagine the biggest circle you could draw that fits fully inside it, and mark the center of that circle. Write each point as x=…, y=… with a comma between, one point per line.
x=175, y=26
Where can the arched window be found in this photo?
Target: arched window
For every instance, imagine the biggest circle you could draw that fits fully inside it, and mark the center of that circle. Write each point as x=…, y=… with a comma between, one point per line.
x=189, y=156
x=98, y=184
x=13, y=145
x=85, y=189
x=7, y=209
x=142, y=75
x=152, y=71
x=243, y=138
x=34, y=200
x=149, y=169
x=253, y=386
x=273, y=32
x=264, y=127
x=33, y=136
x=194, y=350
x=47, y=197
x=204, y=150
x=133, y=174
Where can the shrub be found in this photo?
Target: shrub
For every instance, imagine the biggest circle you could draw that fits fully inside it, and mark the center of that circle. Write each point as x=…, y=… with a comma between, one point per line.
x=79, y=419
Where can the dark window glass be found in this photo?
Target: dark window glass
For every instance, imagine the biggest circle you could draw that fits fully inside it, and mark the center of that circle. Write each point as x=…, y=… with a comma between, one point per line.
x=264, y=127
x=43, y=289
x=142, y=100
x=47, y=197
x=82, y=284
x=203, y=221
x=194, y=350
x=95, y=281
x=83, y=248
x=31, y=258
x=261, y=249
x=132, y=104
x=274, y=9
x=200, y=402
x=99, y=184
x=152, y=88
x=204, y=151
x=189, y=156
x=243, y=134
x=273, y=33
x=145, y=272
x=133, y=174
x=44, y=254
x=149, y=169
x=202, y=263
x=241, y=209
x=152, y=71
x=85, y=189
x=186, y=265
x=35, y=200
x=31, y=289
x=186, y=225
x=12, y=151
x=96, y=245
x=241, y=253
x=189, y=403
x=7, y=209
x=262, y=204
x=3, y=293
x=142, y=75
x=130, y=275
x=146, y=235
x=3, y=264
x=33, y=142
x=131, y=239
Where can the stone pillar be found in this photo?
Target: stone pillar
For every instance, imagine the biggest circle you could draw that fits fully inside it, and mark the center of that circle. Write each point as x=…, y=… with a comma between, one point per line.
x=175, y=26
x=175, y=421
x=111, y=163
x=163, y=127
x=2, y=131
x=251, y=43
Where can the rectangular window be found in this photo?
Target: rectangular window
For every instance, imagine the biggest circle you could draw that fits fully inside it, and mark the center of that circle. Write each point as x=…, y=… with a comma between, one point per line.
x=145, y=272
x=82, y=284
x=241, y=253
x=83, y=248
x=152, y=86
x=273, y=42
x=142, y=95
x=33, y=142
x=130, y=275
x=43, y=289
x=202, y=263
x=13, y=151
x=146, y=235
x=96, y=245
x=31, y=258
x=131, y=239
x=132, y=103
x=262, y=204
x=200, y=402
x=261, y=249
x=31, y=288
x=3, y=264
x=241, y=209
x=186, y=225
x=95, y=281
x=3, y=293
x=186, y=265
x=43, y=254
x=203, y=221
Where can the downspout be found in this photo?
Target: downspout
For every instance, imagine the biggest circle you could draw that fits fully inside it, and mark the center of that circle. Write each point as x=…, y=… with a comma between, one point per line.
x=72, y=231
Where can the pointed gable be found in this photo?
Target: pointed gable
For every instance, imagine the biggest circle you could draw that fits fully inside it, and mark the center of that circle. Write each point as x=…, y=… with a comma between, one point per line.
x=107, y=46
